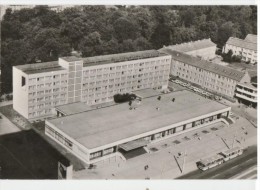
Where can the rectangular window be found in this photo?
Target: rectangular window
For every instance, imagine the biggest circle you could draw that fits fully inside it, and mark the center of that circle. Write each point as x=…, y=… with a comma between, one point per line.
x=23, y=81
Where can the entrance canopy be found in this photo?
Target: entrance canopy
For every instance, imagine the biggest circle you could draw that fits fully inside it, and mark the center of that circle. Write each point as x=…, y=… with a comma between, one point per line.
x=134, y=144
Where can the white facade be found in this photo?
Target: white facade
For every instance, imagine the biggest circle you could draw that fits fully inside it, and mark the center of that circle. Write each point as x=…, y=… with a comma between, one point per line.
x=70, y=81
x=247, y=92
x=208, y=80
x=246, y=49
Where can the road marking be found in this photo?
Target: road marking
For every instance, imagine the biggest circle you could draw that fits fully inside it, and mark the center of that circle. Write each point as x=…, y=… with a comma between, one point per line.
x=215, y=175
x=234, y=166
x=249, y=160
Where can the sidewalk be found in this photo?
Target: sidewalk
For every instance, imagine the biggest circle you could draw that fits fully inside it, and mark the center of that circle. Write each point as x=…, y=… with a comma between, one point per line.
x=5, y=103
x=6, y=126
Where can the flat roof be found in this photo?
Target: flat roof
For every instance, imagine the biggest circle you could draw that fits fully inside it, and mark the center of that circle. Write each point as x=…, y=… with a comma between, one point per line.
x=40, y=67
x=73, y=108
x=191, y=46
x=89, y=61
x=107, y=125
x=242, y=43
x=71, y=58
x=78, y=107
x=205, y=65
x=148, y=92
x=121, y=57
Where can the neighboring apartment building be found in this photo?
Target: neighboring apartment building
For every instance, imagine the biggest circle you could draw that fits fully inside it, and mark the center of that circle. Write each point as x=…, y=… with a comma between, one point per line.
x=213, y=77
x=204, y=49
x=37, y=88
x=246, y=93
x=246, y=48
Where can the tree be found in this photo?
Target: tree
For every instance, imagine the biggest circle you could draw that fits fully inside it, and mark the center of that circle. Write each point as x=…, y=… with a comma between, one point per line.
x=227, y=57
x=121, y=98
x=125, y=29
x=49, y=45
x=142, y=44
x=91, y=45
x=225, y=31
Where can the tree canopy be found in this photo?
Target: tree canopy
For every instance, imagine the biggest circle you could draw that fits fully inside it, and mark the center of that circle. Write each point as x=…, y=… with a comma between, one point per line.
x=39, y=33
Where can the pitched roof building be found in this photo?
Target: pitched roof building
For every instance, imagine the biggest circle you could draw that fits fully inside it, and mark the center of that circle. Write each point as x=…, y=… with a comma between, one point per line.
x=246, y=48
x=213, y=77
x=204, y=49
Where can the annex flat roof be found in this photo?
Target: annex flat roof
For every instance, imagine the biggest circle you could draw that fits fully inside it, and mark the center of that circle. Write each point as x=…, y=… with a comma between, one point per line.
x=73, y=108
x=191, y=46
x=40, y=67
x=242, y=43
x=108, y=125
x=145, y=93
x=79, y=107
x=205, y=65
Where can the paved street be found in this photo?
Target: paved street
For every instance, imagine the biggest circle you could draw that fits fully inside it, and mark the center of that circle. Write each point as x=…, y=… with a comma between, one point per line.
x=6, y=126
x=228, y=169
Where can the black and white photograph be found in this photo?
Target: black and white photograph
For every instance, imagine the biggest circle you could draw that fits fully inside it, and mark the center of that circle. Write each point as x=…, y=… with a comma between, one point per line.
x=128, y=92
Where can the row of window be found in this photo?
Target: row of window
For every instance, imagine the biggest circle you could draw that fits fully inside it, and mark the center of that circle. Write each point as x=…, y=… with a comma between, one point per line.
x=112, y=68
x=48, y=85
x=48, y=78
x=63, y=140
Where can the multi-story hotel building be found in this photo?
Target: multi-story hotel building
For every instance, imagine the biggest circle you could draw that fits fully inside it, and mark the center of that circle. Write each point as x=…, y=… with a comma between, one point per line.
x=246, y=48
x=210, y=76
x=204, y=49
x=37, y=88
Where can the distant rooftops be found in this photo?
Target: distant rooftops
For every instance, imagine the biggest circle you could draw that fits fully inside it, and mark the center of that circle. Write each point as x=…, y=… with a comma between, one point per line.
x=249, y=42
x=205, y=65
x=191, y=46
x=251, y=38
x=89, y=61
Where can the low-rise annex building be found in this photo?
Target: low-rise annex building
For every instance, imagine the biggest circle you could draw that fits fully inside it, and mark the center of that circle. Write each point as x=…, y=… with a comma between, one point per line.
x=38, y=88
x=121, y=129
x=212, y=77
x=204, y=48
x=246, y=48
